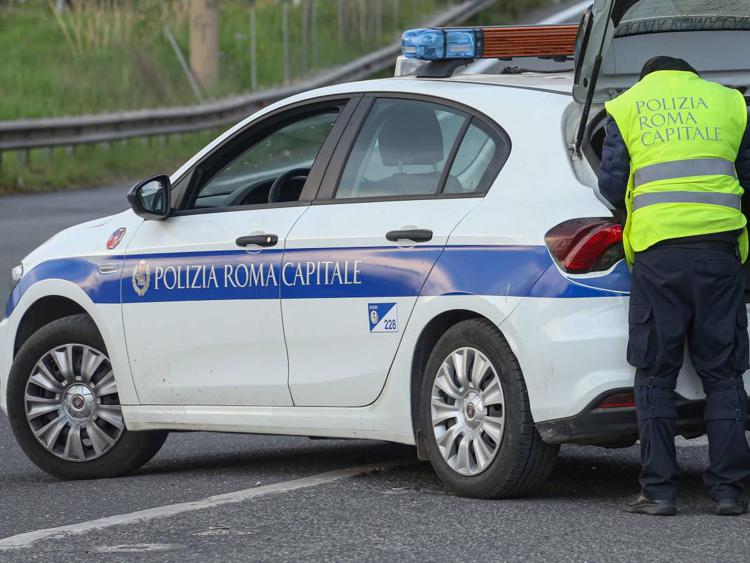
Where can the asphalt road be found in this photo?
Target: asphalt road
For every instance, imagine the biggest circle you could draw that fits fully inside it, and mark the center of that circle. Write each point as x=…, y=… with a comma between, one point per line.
x=400, y=513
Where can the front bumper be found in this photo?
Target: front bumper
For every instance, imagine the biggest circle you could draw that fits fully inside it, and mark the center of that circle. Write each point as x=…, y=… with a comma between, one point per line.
x=617, y=427
x=6, y=359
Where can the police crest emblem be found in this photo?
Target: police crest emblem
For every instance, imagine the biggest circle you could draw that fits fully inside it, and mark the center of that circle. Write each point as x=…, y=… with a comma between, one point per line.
x=141, y=278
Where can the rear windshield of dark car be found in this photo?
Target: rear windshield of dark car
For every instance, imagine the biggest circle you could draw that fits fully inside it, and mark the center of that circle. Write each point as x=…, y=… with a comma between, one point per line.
x=663, y=16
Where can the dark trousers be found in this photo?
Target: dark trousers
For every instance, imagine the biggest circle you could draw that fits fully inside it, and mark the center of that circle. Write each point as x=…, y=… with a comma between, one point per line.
x=693, y=294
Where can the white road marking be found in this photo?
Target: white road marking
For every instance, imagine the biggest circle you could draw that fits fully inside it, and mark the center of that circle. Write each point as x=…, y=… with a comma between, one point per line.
x=28, y=539
x=575, y=11
x=138, y=548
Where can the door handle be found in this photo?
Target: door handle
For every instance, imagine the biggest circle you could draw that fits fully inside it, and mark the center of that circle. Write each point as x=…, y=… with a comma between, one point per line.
x=264, y=240
x=417, y=235
x=107, y=268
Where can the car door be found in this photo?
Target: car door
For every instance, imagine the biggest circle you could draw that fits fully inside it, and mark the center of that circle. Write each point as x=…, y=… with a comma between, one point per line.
x=200, y=291
x=406, y=172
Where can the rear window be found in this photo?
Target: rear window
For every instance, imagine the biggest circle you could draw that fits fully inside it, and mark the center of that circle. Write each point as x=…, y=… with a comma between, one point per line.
x=664, y=16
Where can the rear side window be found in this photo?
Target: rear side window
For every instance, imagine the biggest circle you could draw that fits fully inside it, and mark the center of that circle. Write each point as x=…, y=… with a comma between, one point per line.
x=477, y=161
x=401, y=150
x=411, y=148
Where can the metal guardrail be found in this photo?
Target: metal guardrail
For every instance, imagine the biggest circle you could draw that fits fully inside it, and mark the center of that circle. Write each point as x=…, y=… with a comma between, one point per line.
x=27, y=134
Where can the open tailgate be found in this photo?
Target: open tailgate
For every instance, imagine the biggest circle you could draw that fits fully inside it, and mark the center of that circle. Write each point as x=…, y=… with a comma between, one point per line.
x=712, y=35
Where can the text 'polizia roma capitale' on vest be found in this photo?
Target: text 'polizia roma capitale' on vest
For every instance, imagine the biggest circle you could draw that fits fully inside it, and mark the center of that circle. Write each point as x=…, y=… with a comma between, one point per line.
x=663, y=120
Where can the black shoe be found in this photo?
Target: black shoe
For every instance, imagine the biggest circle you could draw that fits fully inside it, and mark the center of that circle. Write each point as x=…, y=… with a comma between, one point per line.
x=644, y=505
x=731, y=507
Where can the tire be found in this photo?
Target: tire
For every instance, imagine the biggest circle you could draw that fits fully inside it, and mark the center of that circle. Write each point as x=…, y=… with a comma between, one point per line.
x=90, y=443
x=519, y=461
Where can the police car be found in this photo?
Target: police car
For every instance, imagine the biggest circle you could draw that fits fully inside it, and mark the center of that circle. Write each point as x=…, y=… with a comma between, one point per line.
x=423, y=260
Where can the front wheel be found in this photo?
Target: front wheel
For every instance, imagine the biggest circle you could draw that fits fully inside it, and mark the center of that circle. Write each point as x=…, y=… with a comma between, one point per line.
x=64, y=407
x=475, y=416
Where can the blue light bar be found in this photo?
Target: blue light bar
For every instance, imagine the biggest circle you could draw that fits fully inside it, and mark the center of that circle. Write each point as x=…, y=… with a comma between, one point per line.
x=431, y=44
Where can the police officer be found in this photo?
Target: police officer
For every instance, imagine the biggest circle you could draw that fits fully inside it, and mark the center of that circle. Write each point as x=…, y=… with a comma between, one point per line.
x=676, y=157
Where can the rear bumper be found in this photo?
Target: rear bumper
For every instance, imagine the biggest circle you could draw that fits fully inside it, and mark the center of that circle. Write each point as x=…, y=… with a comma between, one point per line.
x=617, y=426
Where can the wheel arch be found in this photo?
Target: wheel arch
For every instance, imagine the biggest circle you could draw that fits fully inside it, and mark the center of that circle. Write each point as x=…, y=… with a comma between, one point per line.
x=42, y=312
x=48, y=300
x=65, y=298
x=527, y=460
x=427, y=340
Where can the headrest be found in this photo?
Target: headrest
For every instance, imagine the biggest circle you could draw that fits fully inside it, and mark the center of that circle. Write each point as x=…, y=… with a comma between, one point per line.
x=411, y=135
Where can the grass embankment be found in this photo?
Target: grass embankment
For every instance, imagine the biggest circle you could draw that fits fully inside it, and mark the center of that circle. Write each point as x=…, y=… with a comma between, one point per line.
x=98, y=59
x=97, y=165
x=109, y=56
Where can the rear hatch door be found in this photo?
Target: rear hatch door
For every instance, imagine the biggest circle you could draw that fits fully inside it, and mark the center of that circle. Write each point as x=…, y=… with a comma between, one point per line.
x=712, y=35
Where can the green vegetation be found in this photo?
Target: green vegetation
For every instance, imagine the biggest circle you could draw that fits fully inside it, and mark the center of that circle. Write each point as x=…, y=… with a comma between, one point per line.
x=508, y=11
x=92, y=165
x=109, y=55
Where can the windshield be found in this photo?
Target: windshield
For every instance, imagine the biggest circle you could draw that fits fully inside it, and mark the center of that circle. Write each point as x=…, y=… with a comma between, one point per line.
x=659, y=16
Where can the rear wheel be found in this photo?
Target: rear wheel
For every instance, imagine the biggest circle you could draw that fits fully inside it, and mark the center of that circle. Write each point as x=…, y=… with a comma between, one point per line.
x=475, y=416
x=65, y=409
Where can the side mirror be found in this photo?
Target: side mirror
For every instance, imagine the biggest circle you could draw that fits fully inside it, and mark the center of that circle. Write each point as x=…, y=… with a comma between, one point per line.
x=152, y=198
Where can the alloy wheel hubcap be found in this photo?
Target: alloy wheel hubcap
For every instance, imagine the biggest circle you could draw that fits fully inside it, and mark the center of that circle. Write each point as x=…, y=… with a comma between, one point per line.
x=468, y=411
x=79, y=401
x=72, y=405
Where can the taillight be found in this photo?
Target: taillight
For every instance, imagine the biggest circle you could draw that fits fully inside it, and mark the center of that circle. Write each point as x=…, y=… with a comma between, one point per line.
x=618, y=401
x=586, y=245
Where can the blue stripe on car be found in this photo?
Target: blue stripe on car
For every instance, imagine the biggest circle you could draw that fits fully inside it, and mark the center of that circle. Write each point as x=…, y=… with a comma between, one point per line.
x=327, y=273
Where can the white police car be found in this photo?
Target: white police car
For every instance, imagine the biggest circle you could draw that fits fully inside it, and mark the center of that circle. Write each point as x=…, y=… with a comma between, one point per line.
x=418, y=260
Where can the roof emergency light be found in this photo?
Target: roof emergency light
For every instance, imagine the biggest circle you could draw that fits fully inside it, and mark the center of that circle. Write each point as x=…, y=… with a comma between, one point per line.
x=453, y=43
x=435, y=44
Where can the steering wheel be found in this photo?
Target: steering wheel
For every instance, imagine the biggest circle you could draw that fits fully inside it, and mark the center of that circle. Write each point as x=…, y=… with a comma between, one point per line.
x=274, y=194
x=239, y=197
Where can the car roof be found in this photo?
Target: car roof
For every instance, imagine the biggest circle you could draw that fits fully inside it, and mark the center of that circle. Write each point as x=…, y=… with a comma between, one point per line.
x=559, y=83
x=554, y=83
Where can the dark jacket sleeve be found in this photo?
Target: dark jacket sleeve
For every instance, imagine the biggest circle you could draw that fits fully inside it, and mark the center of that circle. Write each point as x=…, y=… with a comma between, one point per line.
x=614, y=171
x=742, y=165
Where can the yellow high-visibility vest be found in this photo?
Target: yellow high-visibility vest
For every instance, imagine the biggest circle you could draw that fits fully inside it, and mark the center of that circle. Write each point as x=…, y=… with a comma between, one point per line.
x=683, y=134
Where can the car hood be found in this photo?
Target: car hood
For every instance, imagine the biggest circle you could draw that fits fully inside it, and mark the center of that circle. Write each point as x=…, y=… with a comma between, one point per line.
x=712, y=35
x=86, y=239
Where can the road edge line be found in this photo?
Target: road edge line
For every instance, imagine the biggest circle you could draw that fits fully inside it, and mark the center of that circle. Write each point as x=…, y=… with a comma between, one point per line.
x=27, y=539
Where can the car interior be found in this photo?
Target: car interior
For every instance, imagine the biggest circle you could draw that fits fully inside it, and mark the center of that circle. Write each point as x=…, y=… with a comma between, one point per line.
x=272, y=170
x=410, y=147
x=401, y=150
x=404, y=147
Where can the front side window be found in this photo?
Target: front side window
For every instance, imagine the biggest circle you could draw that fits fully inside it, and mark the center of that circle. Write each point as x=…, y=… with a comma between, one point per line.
x=402, y=150
x=286, y=154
